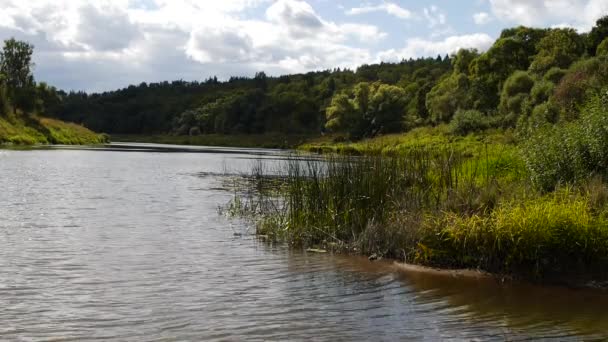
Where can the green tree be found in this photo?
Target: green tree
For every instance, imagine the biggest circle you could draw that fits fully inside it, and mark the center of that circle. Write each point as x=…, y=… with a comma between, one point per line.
x=559, y=48
x=16, y=64
x=602, y=49
x=598, y=33
x=515, y=95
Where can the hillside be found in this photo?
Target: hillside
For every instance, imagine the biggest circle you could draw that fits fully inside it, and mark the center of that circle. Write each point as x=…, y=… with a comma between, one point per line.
x=31, y=130
x=528, y=78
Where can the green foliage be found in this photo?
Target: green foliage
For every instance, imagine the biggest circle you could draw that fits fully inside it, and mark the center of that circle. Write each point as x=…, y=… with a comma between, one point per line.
x=539, y=237
x=33, y=130
x=584, y=77
x=367, y=109
x=16, y=64
x=447, y=97
x=554, y=75
x=598, y=33
x=570, y=152
x=558, y=48
x=467, y=121
x=541, y=91
x=602, y=49
x=16, y=67
x=515, y=96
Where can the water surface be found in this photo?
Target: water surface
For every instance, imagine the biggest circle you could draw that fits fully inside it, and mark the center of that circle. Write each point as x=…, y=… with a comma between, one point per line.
x=126, y=243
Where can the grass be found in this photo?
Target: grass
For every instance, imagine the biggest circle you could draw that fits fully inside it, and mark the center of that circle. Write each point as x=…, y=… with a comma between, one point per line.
x=31, y=130
x=439, y=201
x=427, y=137
x=241, y=140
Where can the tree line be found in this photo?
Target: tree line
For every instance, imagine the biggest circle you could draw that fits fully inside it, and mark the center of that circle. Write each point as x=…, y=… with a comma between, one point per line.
x=528, y=77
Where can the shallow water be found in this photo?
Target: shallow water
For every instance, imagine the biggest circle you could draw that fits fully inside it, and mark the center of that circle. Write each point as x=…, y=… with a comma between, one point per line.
x=126, y=243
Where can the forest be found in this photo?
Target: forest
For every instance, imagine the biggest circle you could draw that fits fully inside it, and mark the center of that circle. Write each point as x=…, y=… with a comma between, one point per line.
x=528, y=77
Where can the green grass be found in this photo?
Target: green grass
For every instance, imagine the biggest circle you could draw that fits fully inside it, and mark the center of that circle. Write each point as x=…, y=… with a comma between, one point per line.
x=439, y=201
x=241, y=140
x=30, y=130
x=427, y=137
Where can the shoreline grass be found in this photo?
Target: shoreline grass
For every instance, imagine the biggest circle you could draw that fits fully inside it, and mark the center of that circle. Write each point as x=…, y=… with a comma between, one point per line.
x=438, y=207
x=23, y=130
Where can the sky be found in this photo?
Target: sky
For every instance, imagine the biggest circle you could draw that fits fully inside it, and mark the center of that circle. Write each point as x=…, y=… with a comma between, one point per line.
x=108, y=44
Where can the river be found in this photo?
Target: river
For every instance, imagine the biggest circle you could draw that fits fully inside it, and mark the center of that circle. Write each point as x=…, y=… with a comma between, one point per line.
x=126, y=243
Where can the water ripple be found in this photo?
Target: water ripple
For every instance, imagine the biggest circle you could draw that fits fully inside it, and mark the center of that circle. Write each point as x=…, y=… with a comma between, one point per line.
x=102, y=245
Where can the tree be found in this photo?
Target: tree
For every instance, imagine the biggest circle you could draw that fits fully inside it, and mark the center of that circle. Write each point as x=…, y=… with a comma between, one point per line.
x=598, y=33
x=559, y=48
x=16, y=67
x=367, y=109
x=602, y=49
x=16, y=64
x=515, y=95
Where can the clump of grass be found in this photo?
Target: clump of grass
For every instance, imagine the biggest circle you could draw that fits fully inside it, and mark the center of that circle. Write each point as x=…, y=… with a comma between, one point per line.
x=539, y=237
x=341, y=198
x=438, y=207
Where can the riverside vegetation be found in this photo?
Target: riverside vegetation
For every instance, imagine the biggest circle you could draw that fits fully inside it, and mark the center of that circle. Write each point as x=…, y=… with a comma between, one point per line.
x=494, y=160
x=526, y=204
x=23, y=102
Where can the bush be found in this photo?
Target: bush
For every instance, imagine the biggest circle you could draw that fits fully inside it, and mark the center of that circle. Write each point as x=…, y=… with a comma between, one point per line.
x=541, y=92
x=468, y=121
x=552, y=234
x=571, y=152
x=602, y=49
x=555, y=75
x=584, y=78
x=515, y=93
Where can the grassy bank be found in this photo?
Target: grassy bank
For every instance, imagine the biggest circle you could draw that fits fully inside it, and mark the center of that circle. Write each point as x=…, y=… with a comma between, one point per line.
x=431, y=199
x=427, y=137
x=237, y=140
x=31, y=130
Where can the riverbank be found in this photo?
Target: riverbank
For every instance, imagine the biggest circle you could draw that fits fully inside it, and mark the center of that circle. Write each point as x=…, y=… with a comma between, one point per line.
x=33, y=130
x=237, y=140
x=394, y=144
x=435, y=200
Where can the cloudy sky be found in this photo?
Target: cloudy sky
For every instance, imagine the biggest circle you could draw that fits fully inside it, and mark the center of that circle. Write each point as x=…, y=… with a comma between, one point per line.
x=106, y=44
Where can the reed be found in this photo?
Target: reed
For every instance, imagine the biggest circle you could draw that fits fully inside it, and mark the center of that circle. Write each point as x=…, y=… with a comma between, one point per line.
x=438, y=207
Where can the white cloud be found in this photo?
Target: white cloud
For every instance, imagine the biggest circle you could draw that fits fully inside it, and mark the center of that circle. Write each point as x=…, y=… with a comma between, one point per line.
x=111, y=43
x=481, y=18
x=580, y=14
x=434, y=16
x=388, y=7
x=418, y=47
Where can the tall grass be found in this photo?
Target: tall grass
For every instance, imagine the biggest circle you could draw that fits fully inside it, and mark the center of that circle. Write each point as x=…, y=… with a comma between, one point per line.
x=339, y=198
x=437, y=207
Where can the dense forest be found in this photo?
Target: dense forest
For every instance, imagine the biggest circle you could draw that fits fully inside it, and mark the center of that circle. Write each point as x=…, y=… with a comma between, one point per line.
x=529, y=76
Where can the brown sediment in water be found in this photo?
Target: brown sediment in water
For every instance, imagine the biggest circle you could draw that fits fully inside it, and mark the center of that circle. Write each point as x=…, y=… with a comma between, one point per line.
x=455, y=273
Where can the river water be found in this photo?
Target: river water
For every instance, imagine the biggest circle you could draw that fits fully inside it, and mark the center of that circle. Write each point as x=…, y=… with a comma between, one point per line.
x=126, y=243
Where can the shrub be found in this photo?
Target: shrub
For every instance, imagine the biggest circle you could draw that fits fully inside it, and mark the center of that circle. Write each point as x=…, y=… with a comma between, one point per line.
x=467, y=121
x=602, y=49
x=570, y=152
x=555, y=75
x=541, y=92
x=584, y=78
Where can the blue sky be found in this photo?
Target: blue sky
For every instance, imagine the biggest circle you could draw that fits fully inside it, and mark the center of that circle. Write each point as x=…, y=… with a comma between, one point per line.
x=107, y=44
